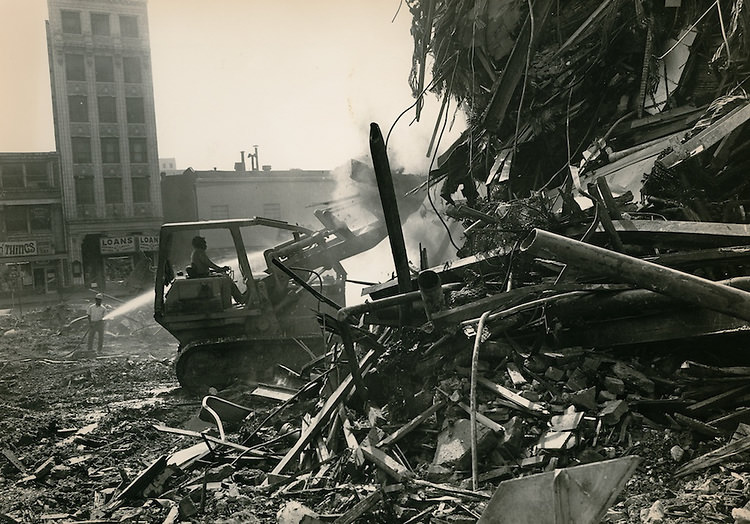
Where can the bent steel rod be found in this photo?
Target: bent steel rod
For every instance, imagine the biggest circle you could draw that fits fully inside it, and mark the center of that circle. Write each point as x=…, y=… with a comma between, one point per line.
x=667, y=281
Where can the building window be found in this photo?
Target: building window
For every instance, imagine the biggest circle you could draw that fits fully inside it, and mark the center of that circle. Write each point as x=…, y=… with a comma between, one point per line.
x=113, y=191
x=134, y=110
x=71, y=22
x=110, y=150
x=272, y=211
x=105, y=70
x=36, y=175
x=15, y=219
x=219, y=212
x=138, y=151
x=81, y=150
x=74, y=67
x=141, y=189
x=40, y=218
x=131, y=69
x=107, y=109
x=129, y=26
x=100, y=24
x=78, y=108
x=12, y=176
x=84, y=190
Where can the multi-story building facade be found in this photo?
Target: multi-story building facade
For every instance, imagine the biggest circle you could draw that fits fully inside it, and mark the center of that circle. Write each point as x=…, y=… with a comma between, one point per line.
x=105, y=130
x=33, y=252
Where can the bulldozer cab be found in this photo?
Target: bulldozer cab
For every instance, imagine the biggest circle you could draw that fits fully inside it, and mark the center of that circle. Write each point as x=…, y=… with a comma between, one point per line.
x=260, y=308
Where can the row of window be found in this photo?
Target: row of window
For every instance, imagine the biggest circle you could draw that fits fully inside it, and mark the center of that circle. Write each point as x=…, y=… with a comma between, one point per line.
x=135, y=111
x=28, y=219
x=112, y=190
x=100, y=24
x=104, y=68
x=110, y=149
x=30, y=175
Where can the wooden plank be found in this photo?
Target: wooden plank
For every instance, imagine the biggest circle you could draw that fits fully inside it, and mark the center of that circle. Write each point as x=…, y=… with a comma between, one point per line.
x=714, y=457
x=731, y=419
x=515, y=374
x=322, y=416
x=411, y=425
x=360, y=508
x=389, y=465
x=515, y=398
x=697, y=425
x=708, y=137
x=196, y=434
x=720, y=400
x=713, y=234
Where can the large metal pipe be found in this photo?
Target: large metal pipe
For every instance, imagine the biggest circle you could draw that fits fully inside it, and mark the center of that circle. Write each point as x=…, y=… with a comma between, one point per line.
x=667, y=281
x=390, y=208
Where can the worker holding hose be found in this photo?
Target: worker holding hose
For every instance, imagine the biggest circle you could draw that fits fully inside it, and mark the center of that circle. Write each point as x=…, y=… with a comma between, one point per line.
x=95, y=313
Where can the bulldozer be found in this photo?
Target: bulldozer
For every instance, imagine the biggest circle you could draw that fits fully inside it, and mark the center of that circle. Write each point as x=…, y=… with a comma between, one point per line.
x=286, y=290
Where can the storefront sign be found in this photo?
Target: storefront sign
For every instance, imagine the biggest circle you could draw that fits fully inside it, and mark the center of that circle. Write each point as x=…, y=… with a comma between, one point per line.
x=148, y=242
x=15, y=249
x=109, y=245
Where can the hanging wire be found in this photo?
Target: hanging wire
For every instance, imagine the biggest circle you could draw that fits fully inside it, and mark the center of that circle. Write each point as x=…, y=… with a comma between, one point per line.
x=689, y=29
x=525, y=74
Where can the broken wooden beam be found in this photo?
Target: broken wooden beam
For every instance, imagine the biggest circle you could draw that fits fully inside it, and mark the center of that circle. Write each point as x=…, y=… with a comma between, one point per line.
x=411, y=425
x=384, y=462
x=514, y=397
x=714, y=457
x=322, y=416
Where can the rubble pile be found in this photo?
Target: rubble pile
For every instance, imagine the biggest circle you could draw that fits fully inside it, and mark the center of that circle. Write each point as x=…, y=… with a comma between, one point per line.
x=582, y=361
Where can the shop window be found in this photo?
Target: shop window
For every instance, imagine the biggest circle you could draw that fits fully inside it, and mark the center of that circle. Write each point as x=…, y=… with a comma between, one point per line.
x=15, y=219
x=138, y=150
x=113, y=191
x=100, y=24
x=81, y=150
x=104, y=69
x=84, y=190
x=40, y=218
x=141, y=190
x=272, y=211
x=78, y=108
x=107, y=109
x=36, y=175
x=131, y=69
x=75, y=69
x=219, y=212
x=129, y=26
x=71, y=22
x=12, y=176
x=134, y=110
x=110, y=150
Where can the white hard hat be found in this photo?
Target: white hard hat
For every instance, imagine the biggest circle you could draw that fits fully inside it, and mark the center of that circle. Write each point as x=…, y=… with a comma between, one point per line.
x=99, y=296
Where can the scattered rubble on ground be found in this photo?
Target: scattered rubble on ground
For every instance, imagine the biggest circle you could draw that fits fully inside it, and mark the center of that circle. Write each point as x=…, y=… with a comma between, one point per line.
x=592, y=334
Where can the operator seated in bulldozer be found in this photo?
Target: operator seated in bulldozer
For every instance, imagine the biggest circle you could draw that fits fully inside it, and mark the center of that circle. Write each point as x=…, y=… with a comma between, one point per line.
x=201, y=266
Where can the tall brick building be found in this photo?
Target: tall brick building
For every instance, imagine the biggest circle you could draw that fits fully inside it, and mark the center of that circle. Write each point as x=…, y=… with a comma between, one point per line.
x=105, y=130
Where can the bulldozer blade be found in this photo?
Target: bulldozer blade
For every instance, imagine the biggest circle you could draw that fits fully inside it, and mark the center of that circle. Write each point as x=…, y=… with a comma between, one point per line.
x=575, y=495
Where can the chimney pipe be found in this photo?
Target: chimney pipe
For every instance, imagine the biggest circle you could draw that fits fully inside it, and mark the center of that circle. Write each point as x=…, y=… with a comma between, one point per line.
x=242, y=160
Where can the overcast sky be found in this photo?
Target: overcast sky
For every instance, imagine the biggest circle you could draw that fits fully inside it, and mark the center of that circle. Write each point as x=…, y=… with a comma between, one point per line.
x=301, y=79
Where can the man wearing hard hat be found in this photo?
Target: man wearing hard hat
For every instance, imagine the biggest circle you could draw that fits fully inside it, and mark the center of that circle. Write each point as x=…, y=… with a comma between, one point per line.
x=95, y=313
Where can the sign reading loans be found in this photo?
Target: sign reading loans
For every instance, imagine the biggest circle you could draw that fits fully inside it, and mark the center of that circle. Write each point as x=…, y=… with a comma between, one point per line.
x=109, y=245
x=16, y=249
x=148, y=242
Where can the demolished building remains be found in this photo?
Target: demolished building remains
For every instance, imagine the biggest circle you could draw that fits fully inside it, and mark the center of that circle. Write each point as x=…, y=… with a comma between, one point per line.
x=598, y=311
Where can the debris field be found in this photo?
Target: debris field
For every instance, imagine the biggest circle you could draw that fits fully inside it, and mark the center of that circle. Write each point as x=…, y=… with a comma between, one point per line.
x=582, y=360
